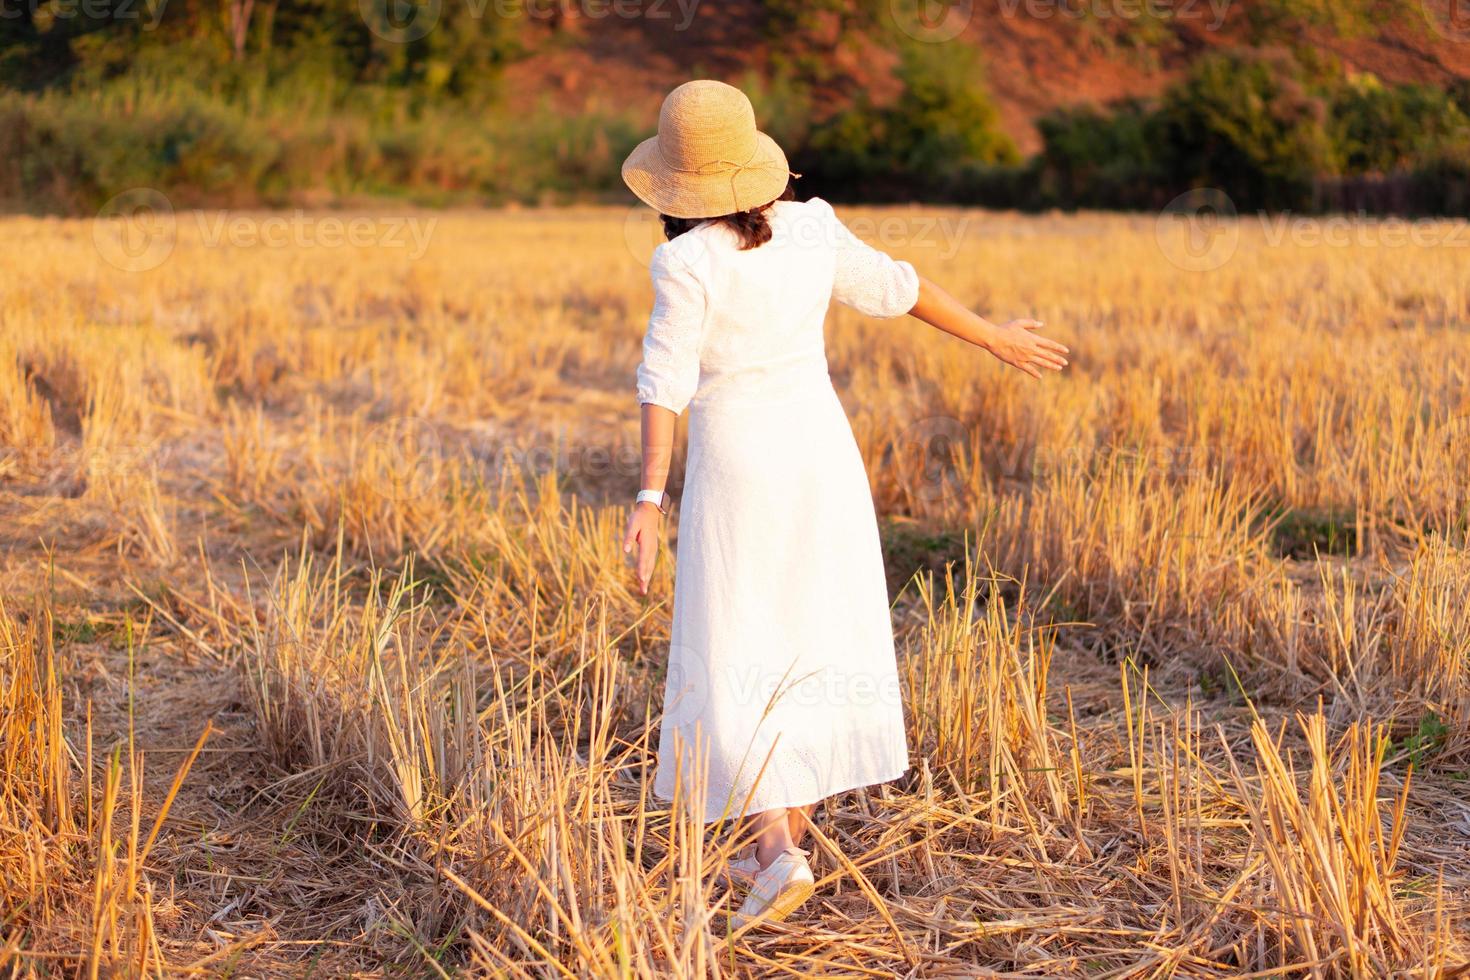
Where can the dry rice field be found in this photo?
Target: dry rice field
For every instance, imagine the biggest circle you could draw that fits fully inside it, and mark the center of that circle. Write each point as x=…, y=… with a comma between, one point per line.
x=318, y=655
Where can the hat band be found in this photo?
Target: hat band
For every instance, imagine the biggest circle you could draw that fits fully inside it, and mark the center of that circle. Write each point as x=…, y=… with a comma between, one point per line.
x=704, y=168
x=722, y=166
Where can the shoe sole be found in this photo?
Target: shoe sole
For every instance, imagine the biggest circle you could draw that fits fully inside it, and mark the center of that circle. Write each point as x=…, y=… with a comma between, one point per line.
x=787, y=900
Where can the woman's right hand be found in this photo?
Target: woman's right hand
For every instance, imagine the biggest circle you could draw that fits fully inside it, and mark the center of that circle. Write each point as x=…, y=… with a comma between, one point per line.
x=1016, y=343
x=645, y=522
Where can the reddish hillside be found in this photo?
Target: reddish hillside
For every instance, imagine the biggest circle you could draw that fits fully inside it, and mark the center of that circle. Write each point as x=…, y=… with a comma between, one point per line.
x=1040, y=54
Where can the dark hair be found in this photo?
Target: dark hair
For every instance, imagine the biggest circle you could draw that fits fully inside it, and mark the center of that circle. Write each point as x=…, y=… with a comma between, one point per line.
x=751, y=226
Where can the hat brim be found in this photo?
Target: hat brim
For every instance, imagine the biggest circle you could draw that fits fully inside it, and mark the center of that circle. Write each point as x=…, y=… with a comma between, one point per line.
x=681, y=194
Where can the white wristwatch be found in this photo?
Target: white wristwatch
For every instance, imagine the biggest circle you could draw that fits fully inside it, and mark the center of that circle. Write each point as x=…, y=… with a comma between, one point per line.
x=659, y=498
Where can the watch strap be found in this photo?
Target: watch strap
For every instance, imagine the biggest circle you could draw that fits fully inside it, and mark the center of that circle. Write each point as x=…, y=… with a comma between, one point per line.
x=659, y=498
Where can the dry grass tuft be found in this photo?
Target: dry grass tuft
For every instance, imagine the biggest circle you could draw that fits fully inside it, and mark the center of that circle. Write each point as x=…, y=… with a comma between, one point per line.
x=78, y=892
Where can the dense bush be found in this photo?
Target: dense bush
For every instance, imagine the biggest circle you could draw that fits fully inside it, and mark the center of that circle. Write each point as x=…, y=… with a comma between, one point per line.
x=1270, y=134
x=943, y=122
x=309, y=102
x=231, y=42
x=1381, y=129
x=1246, y=123
x=1440, y=183
x=1099, y=159
x=73, y=153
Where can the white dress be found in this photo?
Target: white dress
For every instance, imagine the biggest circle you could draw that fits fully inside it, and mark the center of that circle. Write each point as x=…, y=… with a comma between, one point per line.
x=782, y=686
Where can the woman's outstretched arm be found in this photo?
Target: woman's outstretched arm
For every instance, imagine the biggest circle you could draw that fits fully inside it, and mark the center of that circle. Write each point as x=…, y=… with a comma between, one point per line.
x=1016, y=342
x=646, y=520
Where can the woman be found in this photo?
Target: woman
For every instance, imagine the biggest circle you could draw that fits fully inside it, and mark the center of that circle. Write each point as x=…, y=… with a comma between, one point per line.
x=782, y=686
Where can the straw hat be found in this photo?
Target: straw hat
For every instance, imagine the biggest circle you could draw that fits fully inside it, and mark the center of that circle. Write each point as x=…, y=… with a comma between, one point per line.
x=708, y=158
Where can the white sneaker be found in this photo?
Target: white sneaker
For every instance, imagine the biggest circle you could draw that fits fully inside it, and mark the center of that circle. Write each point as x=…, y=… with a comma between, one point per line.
x=778, y=890
x=741, y=871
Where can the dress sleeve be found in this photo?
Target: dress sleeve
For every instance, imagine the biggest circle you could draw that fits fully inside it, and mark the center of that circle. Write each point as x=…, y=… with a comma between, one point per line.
x=866, y=279
x=669, y=374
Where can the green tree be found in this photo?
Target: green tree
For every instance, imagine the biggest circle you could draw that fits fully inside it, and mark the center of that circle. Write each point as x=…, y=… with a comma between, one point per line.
x=1103, y=158
x=1247, y=123
x=943, y=124
x=945, y=115
x=1382, y=129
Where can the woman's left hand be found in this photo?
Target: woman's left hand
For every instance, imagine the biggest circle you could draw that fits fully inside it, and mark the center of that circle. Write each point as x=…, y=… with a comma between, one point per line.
x=641, y=541
x=1018, y=344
